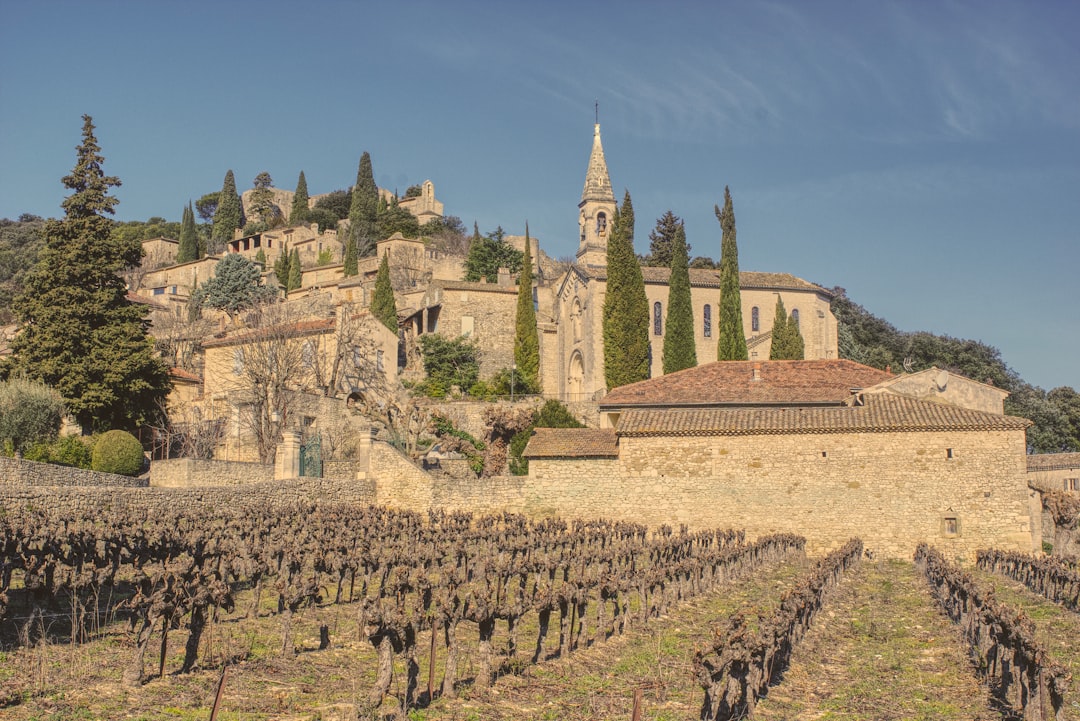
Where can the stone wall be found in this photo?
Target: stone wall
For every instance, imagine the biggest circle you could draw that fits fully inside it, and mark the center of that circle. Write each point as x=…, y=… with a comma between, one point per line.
x=192, y=472
x=398, y=482
x=17, y=471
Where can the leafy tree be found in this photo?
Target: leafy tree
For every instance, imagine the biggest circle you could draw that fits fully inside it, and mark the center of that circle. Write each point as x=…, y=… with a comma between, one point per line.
x=414, y=191
x=296, y=277
x=139, y=230
x=30, y=412
x=626, y=307
x=299, y=212
x=228, y=216
x=702, y=262
x=364, y=210
x=235, y=286
x=80, y=334
x=1067, y=401
x=732, y=342
x=679, y=351
x=383, y=305
x=447, y=235
x=488, y=254
x=552, y=414
x=396, y=219
x=20, y=243
x=661, y=240
x=326, y=219
x=206, y=206
x=787, y=341
x=264, y=210
x=526, y=339
x=449, y=362
x=337, y=202
x=189, y=240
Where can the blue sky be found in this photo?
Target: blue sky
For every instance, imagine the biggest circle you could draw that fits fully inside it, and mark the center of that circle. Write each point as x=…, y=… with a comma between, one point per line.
x=923, y=155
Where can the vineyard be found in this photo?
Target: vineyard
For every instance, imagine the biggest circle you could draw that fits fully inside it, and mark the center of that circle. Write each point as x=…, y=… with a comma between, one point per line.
x=334, y=611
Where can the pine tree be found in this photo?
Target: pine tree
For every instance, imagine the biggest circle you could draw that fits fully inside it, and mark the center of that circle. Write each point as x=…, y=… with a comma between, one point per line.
x=364, y=210
x=661, y=239
x=383, y=305
x=229, y=215
x=526, y=339
x=679, y=350
x=295, y=271
x=732, y=342
x=299, y=212
x=79, y=334
x=626, y=307
x=189, y=240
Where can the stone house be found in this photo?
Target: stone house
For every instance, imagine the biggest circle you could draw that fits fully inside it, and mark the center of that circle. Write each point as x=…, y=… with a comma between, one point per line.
x=1055, y=471
x=795, y=446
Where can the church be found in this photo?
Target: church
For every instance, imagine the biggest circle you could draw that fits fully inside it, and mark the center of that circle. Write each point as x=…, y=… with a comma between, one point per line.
x=572, y=349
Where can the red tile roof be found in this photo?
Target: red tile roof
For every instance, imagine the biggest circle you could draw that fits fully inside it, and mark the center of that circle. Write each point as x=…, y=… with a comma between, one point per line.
x=727, y=383
x=572, y=443
x=184, y=375
x=1053, y=461
x=708, y=278
x=880, y=414
x=304, y=327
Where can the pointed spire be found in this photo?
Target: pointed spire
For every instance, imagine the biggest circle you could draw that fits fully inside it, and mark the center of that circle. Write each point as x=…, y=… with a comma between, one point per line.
x=597, y=182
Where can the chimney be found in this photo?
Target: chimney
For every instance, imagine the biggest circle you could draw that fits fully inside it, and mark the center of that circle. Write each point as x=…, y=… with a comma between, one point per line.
x=757, y=371
x=504, y=277
x=857, y=397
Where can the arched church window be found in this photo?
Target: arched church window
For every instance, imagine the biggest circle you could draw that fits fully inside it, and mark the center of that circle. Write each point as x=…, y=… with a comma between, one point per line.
x=795, y=316
x=657, y=319
x=706, y=321
x=601, y=223
x=755, y=324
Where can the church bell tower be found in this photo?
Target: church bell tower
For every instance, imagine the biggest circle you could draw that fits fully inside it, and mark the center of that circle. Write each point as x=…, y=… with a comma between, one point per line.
x=596, y=209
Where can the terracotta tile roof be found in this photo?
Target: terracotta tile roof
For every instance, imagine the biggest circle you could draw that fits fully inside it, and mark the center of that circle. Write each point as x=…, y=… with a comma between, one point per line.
x=184, y=375
x=479, y=286
x=572, y=443
x=304, y=327
x=143, y=300
x=726, y=383
x=1053, y=461
x=709, y=278
x=880, y=414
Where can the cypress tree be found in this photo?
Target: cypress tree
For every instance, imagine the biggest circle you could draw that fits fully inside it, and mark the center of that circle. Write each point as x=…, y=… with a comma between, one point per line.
x=299, y=212
x=79, y=333
x=732, y=342
x=229, y=214
x=364, y=210
x=350, y=266
x=526, y=339
x=281, y=267
x=787, y=341
x=679, y=351
x=189, y=240
x=626, y=307
x=295, y=272
x=383, y=305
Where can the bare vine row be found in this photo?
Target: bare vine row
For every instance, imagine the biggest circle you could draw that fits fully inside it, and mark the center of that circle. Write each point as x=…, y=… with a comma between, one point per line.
x=1048, y=576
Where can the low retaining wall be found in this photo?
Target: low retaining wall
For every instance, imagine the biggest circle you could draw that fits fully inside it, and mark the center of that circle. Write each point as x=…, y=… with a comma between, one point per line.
x=21, y=472
x=197, y=473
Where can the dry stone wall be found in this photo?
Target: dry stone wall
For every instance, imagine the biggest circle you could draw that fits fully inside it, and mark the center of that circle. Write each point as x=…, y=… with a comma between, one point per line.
x=192, y=472
x=17, y=471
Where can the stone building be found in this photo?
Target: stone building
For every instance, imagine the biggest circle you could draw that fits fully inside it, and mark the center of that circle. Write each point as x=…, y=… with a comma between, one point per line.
x=1055, y=471
x=572, y=349
x=807, y=447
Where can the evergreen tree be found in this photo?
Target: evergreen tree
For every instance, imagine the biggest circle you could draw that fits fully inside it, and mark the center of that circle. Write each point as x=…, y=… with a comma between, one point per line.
x=281, y=267
x=787, y=341
x=229, y=215
x=679, y=350
x=295, y=271
x=236, y=286
x=79, y=333
x=189, y=240
x=383, y=305
x=526, y=339
x=732, y=342
x=364, y=210
x=260, y=258
x=488, y=254
x=299, y=212
x=626, y=307
x=661, y=239
x=350, y=265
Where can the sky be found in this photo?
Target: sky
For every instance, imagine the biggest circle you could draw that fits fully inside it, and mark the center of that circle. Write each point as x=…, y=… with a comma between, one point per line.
x=925, y=156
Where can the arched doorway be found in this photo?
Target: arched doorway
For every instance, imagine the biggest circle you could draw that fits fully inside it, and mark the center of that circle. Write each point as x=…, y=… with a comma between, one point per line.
x=575, y=378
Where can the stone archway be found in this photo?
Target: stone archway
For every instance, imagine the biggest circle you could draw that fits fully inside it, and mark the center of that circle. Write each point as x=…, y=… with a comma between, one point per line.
x=575, y=378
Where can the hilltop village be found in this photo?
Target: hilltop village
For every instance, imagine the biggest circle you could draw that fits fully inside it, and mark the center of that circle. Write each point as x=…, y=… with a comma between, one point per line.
x=822, y=446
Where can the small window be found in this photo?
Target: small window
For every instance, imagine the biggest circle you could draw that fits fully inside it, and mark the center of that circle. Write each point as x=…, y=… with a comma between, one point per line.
x=601, y=223
x=948, y=453
x=1071, y=484
x=824, y=454
x=238, y=361
x=706, y=321
x=795, y=316
x=755, y=322
x=466, y=325
x=159, y=291
x=950, y=526
x=658, y=319
x=379, y=361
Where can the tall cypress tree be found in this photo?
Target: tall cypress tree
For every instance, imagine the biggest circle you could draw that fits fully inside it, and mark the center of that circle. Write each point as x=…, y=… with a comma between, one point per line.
x=732, y=342
x=526, y=339
x=281, y=267
x=383, y=305
x=189, y=240
x=299, y=211
x=626, y=307
x=350, y=266
x=229, y=215
x=679, y=351
x=786, y=342
x=79, y=333
x=364, y=210
x=296, y=277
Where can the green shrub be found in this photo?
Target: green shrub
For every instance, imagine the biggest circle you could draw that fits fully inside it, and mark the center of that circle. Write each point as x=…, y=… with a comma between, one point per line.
x=510, y=383
x=66, y=451
x=118, y=452
x=30, y=412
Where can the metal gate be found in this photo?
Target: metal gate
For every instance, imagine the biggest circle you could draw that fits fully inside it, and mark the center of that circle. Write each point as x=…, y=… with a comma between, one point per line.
x=311, y=456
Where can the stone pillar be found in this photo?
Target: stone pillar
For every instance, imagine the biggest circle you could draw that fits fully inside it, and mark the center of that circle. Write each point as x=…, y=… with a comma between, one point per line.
x=287, y=460
x=363, y=455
